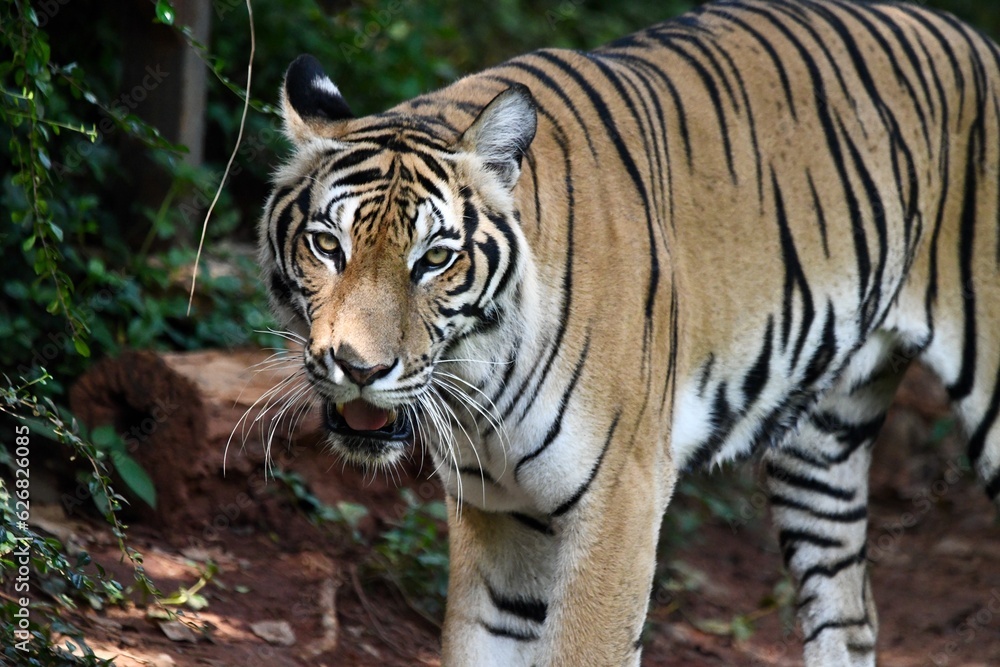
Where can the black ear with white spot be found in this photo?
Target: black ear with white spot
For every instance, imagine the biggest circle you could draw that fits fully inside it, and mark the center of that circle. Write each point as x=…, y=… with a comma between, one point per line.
x=312, y=104
x=502, y=132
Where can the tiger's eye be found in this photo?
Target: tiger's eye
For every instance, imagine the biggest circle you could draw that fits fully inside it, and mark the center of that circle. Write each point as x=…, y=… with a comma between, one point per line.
x=326, y=243
x=437, y=256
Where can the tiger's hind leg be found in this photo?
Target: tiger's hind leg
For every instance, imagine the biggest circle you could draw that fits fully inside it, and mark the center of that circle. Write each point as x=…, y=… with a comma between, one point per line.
x=818, y=487
x=977, y=403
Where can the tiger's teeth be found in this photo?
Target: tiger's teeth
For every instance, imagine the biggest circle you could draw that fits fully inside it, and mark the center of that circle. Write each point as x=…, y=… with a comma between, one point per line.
x=340, y=409
x=391, y=416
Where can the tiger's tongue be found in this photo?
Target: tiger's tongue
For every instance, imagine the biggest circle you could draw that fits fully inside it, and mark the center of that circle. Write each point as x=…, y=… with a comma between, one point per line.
x=362, y=416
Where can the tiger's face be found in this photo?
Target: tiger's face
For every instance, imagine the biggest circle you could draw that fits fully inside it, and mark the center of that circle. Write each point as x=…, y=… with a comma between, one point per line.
x=393, y=251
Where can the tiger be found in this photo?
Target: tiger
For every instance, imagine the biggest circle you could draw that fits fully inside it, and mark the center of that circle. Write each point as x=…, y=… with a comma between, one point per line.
x=574, y=276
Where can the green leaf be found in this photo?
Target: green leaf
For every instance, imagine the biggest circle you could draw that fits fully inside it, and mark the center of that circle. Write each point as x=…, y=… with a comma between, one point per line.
x=742, y=628
x=135, y=477
x=56, y=230
x=714, y=626
x=196, y=601
x=81, y=347
x=104, y=437
x=353, y=513
x=164, y=12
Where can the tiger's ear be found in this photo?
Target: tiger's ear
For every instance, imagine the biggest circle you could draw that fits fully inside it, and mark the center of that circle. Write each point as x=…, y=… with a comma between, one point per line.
x=502, y=132
x=311, y=104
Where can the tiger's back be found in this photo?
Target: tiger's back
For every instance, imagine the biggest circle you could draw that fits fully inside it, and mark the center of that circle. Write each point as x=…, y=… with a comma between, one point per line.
x=730, y=233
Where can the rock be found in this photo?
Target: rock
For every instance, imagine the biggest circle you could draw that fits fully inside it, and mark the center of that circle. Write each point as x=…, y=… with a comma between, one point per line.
x=160, y=660
x=278, y=633
x=178, y=632
x=953, y=547
x=331, y=628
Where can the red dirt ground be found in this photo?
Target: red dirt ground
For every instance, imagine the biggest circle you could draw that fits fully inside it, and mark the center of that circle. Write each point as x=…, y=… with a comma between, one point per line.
x=937, y=581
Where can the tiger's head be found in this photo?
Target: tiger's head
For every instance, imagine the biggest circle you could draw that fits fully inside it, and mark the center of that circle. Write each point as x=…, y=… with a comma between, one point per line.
x=391, y=244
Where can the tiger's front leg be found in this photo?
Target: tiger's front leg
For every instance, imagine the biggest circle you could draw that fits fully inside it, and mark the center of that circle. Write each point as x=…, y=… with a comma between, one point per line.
x=501, y=572
x=568, y=589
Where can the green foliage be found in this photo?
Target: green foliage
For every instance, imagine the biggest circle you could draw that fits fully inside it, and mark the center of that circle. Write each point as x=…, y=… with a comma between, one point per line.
x=381, y=52
x=84, y=277
x=110, y=444
x=44, y=559
x=343, y=513
x=413, y=554
x=189, y=596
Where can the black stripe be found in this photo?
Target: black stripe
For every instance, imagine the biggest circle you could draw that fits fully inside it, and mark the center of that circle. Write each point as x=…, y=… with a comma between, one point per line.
x=804, y=457
x=508, y=633
x=350, y=158
x=962, y=385
x=474, y=471
x=847, y=516
x=428, y=185
x=654, y=130
x=871, y=301
x=286, y=216
x=795, y=277
x=556, y=424
x=550, y=83
x=847, y=432
x=807, y=483
x=977, y=441
x=513, y=258
x=527, y=608
x=708, y=83
x=776, y=59
x=833, y=569
x=611, y=124
x=915, y=65
x=822, y=108
x=757, y=377
x=789, y=537
x=532, y=523
x=825, y=353
x=575, y=498
x=681, y=115
x=723, y=418
x=360, y=177
x=897, y=143
x=528, y=388
x=835, y=625
x=751, y=122
x=281, y=290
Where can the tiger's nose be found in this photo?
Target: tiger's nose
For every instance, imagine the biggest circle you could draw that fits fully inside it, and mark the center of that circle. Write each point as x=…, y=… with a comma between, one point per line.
x=363, y=375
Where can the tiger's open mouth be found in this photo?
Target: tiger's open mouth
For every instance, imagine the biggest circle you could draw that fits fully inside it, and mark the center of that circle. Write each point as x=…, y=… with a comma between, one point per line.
x=361, y=422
